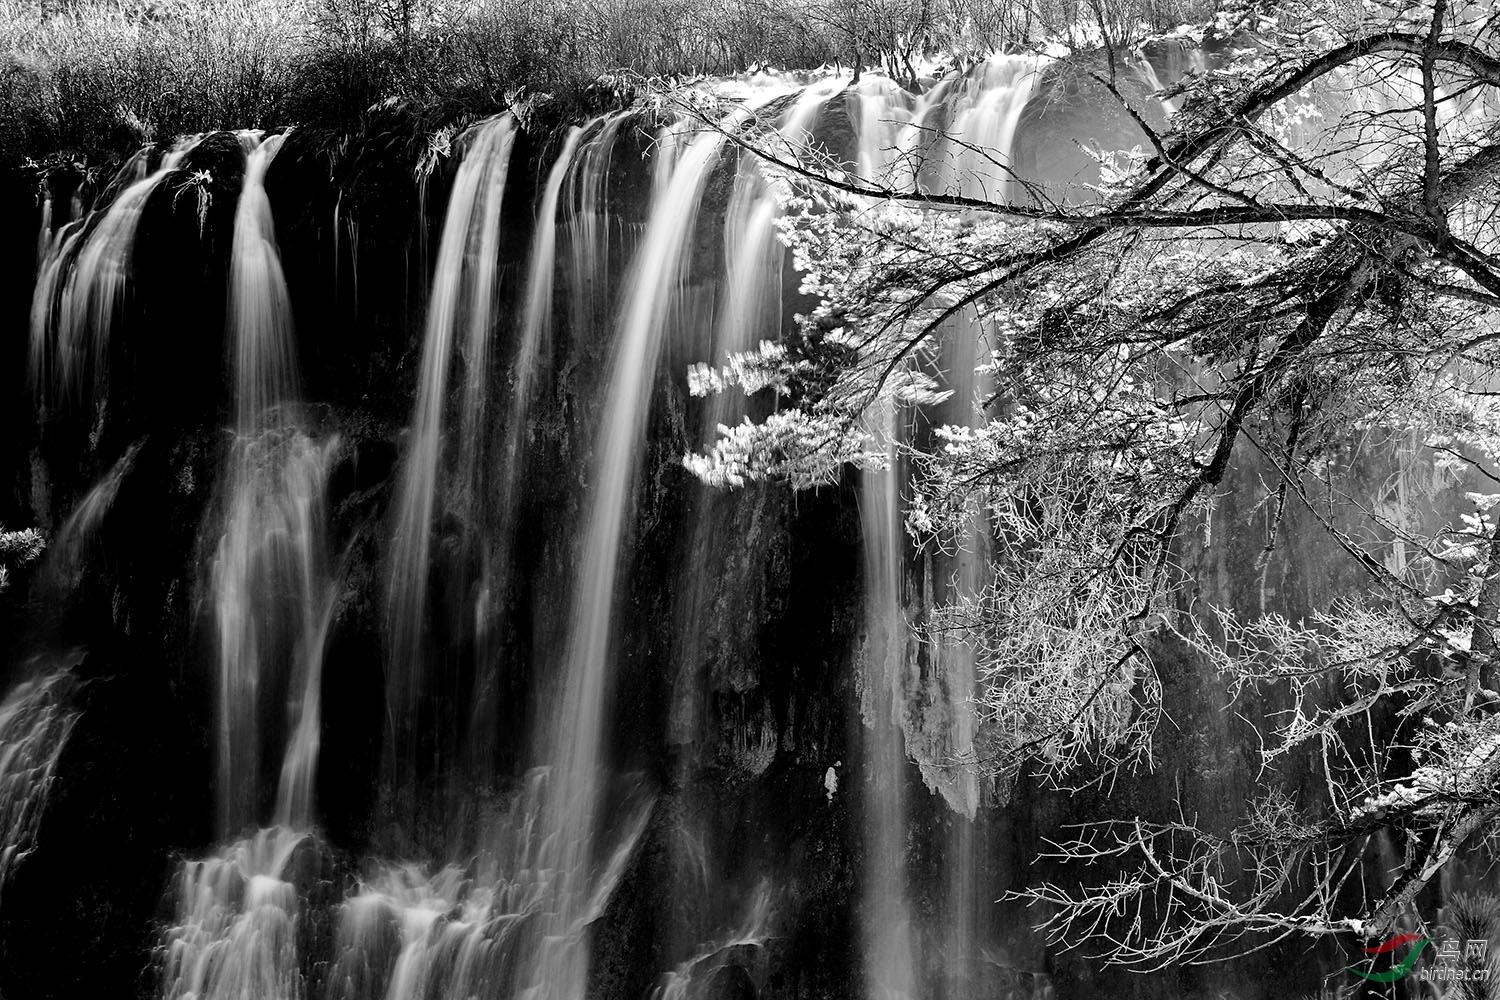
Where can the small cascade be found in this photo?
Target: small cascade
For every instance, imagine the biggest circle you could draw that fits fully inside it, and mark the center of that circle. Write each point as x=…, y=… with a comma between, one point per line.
x=889, y=945
x=238, y=914
x=590, y=227
x=237, y=923
x=700, y=973
x=474, y=929
x=462, y=304
x=980, y=134
x=67, y=555
x=893, y=130
x=36, y=719
x=84, y=278
x=406, y=936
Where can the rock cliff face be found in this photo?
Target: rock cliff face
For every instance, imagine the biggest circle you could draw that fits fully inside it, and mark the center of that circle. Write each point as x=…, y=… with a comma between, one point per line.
x=734, y=830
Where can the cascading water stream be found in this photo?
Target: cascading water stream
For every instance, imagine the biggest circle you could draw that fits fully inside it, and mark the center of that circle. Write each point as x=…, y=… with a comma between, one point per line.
x=480, y=927
x=750, y=310
x=570, y=740
x=235, y=936
x=590, y=225
x=892, y=131
x=889, y=959
x=68, y=552
x=36, y=719
x=520, y=866
x=927, y=718
x=531, y=357
x=977, y=159
x=462, y=296
x=83, y=280
x=272, y=541
x=753, y=256
x=38, y=714
x=727, y=542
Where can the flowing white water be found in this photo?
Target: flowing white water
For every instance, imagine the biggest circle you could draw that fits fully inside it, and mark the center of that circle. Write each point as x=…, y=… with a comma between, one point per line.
x=514, y=918
x=978, y=161
x=237, y=920
x=492, y=926
x=750, y=310
x=696, y=974
x=462, y=300
x=272, y=596
x=260, y=312
x=753, y=256
x=68, y=551
x=927, y=716
x=531, y=358
x=894, y=130
x=590, y=225
x=574, y=714
x=960, y=575
x=272, y=602
x=44, y=231
x=236, y=931
x=536, y=321
x=889, y=946
x=84, y=278
x=36, y=719
x=474, y=929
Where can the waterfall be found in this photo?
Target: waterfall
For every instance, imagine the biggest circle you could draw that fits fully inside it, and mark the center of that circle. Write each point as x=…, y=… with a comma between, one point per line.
x=272, y=596
x=695, y=976
x=84, y=277
x=571, y=737
x=497, y=924
x=530, y=360
x=36, y=719
x=720, y=577
x=982, y=127
x=462, y=295
x=235, y=935
x=889, y=957
x=749, y=310
x=926, y=716
x=67, y=554
x=495, y=884
x=589, y=226
x=893, y=131
x=753, y=257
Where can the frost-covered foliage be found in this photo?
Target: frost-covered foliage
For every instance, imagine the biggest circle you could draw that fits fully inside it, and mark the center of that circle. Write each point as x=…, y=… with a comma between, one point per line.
x=1304, y=266
x=17, y=548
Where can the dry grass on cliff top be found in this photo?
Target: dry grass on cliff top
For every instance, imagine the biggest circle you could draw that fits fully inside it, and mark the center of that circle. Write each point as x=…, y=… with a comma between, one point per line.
x=87, y=75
